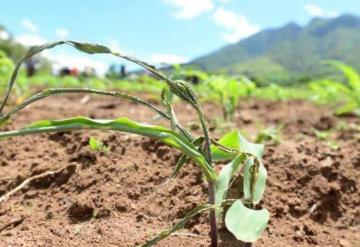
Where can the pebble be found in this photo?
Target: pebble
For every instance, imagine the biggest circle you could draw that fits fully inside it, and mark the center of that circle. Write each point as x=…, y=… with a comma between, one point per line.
x=344, y=243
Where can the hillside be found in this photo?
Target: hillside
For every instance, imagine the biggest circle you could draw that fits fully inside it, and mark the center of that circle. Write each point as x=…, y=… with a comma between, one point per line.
x=291, y=52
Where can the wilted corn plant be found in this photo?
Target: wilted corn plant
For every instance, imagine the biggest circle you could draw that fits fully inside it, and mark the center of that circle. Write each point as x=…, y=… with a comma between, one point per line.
x=241, y=218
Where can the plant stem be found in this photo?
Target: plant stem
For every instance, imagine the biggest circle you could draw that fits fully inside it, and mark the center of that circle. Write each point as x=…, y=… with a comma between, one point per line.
x=214, y=234
x=205, y=128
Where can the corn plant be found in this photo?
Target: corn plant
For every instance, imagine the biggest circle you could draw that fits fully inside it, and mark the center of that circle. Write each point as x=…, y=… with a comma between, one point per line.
x=99, y=146
x=227, y=92
x=271, y=134
x=241, y=218
x=330, y=91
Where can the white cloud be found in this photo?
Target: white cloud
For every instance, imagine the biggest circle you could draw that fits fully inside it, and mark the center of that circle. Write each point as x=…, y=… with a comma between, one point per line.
x=189, y=9
x=4, y=35
x=29, y=39
x=237, y=26
x=317, y=11
x=62, y=33
x=167, y=59
x=29, y=25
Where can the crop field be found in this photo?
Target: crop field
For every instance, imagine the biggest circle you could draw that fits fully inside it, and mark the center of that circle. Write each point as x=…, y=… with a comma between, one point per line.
x=162, y=159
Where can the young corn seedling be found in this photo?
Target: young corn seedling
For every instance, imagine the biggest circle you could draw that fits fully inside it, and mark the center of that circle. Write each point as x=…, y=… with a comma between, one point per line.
x=338, y=93
x=227, y=92
x=241, y=218
x=98, y=146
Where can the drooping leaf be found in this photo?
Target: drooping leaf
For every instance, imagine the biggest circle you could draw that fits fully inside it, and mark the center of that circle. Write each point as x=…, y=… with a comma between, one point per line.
x=89, y=48
x=81, y=46
x=254, y=149
x=32, y=51
x=227, y=173
x=230, y=140
x=167, y=99
x=254, y=180
x=184, y=158
x=244, y=223
x=236, y=141
x=168, y=136
x=53, y=91
x=179, y=164
x=84, y=47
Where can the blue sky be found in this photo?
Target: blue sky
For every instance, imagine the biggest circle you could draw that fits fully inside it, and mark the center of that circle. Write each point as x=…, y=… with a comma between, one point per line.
x=156, y=30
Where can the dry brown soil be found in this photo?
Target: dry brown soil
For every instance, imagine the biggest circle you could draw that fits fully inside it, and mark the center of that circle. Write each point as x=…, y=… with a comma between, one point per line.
x=117, y=199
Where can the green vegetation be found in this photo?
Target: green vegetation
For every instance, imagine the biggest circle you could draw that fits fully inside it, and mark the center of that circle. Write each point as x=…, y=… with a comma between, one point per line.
x=330, y=91
x=272, y=135
x=6, y=67
x=290, y=63
x=242, y=219
x=11, y=48
x=98, y=146
x=226, y=91
x=341, y=94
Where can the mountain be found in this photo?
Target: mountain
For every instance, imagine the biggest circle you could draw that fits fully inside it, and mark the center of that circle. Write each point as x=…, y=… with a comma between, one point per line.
x=289, y=53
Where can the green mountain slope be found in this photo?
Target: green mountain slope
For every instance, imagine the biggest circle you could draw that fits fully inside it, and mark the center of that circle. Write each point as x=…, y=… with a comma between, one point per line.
x=291, y=52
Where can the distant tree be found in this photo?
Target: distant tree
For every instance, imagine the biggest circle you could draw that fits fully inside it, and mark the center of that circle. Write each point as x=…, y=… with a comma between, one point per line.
x=116, y=71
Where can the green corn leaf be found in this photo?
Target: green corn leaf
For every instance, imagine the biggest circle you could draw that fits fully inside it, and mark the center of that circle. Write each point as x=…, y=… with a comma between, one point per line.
x=32, y=51
x=199, y=141
x=230, y=140
x=167, y=99
x=235, y=140
x=255, y=173
x=179, y=164
x=84, y=47
x=89, y=48
x=246, y=224
x=254, y=181
x=93, y=143
x=166, y=95
x=254, y=149
x=198, y=210
x=223, y=181
x=184, y=158
x=168, y=136
x=39, y=48
x=53, y=91
x=81, y=46
x=347, y=108
x=351, y=74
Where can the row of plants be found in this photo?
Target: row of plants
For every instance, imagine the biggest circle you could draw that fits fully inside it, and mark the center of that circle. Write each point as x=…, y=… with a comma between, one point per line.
x=341, y=95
